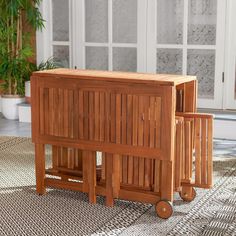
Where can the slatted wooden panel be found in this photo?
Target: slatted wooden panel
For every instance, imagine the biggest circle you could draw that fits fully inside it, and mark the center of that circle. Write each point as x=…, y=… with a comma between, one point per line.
x=66, y=159
x=138, y=124
x=203, y=151
x=107, y=117
x=197, y=150
x=102, y=116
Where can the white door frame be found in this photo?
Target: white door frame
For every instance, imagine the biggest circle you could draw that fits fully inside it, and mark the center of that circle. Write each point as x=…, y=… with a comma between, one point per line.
x=44, y=38
x=230, y=57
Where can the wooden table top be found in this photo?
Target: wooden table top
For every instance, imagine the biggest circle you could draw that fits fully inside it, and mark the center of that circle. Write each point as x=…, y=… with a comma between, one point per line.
x=158, y=79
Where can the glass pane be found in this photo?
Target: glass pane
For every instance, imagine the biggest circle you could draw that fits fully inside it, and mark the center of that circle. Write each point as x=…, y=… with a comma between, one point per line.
x=60, y=13
x=202, y=22
x=97, y=58
x=125, y=21
x=202, y=64
x=170, y=21
x=96, y=21
x=169, y=61
x=125, y=59
x=61, y=56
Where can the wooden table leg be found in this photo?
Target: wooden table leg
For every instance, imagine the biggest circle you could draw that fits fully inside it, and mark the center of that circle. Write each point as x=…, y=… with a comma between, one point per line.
x=112, y=177
x=40, y=168
x=92, y=176
x=109, y=170
x=116, y=174
x=167, y=180
x=85, y=171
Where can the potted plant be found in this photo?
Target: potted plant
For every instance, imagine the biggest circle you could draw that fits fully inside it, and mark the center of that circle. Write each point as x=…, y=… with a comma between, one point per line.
x=16, y=50
x=49, y=64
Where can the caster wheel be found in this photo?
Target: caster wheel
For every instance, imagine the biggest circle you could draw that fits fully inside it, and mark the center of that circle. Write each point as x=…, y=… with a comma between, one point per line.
x=188, y=194
x=164, y=209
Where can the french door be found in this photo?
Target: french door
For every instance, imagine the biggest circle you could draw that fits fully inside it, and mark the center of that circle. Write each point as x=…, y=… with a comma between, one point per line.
x=157, y=36
x=110, y=35
x=187, y=37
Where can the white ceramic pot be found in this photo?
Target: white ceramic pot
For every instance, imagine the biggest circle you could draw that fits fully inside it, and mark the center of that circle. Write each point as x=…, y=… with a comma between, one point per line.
x=9, y=106
x=27, y=91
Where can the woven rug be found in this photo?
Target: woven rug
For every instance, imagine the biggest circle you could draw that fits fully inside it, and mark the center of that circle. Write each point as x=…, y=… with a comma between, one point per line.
x=61, y=212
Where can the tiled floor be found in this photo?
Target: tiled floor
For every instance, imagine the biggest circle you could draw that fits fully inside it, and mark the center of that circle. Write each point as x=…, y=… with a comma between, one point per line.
x=15, y=128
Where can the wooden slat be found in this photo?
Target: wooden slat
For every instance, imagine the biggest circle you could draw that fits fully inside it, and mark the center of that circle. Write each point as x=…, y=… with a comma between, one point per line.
x=139, y=196
x=140, y=138
x=152, y=121
x=203, y=151
x=55, y=112
x=135, y=139
x=78, y=159
x=51, y=111
x=61, y=112
x=118, y=118
x=71, y=154
x=118, y=127
x=130, y=168
x=46, y=110
x=86, y=115
x=91, y=115
x=152, y=153
x=60, y=158
x=64, y=157
x=190, y=91
x=76, y=114
x=71, y=113
x=81, y=110
x=147, y=162
x=157, y=176
x=55, y=157
x=158, y=122
x=178, y=147
x=42, y=110
x=124, y=138
x=113, y=118
x=103, y=166
x=97, y=116
x=197, y=151
x=209, y=151
x=188, y=149
x=102, y=116
x=64, y=184
x=107, y=116
x=66, y=113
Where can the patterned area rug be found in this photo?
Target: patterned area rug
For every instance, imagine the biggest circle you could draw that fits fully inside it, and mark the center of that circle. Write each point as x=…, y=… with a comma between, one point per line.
x=61, y=212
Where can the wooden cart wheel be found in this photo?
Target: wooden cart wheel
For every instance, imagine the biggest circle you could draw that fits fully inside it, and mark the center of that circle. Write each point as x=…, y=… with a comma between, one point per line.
x=188, y=194
x=164, y=209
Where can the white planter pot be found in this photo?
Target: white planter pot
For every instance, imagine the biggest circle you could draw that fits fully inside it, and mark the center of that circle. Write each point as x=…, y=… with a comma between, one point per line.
x=27, y=91
x=9, y=106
